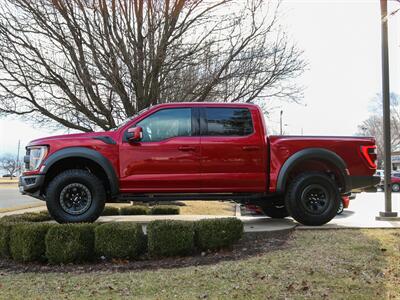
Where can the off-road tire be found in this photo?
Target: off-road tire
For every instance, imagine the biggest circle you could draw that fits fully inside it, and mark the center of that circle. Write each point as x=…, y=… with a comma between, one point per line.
x=89, y=183
x=303, y=204
x=275, y=211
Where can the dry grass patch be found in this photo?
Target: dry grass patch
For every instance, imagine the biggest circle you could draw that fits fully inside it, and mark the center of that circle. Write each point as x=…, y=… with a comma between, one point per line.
x=217, y=208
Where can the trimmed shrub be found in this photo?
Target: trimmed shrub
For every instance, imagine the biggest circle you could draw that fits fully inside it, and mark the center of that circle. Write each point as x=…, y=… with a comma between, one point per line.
x=5, y=229
x=119, y=240
x=164, y=210
x=27, y=241
x=170, y=238
x=110, y=211
x=134, y=210
x=27, y=217
x=212, y=234
x=70, y=243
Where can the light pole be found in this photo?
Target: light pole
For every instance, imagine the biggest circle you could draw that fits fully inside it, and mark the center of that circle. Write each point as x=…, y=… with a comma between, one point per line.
x=280, y=122
x=386, y=115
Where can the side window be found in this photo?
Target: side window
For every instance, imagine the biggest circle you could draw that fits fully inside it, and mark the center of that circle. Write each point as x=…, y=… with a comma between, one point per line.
x=167, y=123
x=228, y=122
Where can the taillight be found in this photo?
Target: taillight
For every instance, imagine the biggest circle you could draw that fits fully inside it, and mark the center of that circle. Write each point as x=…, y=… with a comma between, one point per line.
x=369, y=153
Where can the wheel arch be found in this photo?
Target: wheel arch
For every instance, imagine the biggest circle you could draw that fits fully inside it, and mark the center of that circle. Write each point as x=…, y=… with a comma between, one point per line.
x=313, y=154
x=83, y=155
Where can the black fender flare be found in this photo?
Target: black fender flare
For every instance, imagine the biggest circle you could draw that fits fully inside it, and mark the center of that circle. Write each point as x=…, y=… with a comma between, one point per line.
x=313, y=153
x=93, y=155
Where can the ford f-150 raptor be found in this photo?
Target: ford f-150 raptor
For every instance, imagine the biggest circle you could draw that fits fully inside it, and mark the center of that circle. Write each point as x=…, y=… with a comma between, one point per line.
x=193, y=151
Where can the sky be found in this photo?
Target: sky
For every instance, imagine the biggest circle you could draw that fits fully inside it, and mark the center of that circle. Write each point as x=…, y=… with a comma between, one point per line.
x=341, y=43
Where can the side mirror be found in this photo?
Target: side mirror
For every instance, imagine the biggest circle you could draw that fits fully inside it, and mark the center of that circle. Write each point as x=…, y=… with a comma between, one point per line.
x=135, y=134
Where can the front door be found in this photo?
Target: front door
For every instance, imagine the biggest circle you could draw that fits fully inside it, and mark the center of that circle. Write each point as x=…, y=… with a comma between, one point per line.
x=167, y=159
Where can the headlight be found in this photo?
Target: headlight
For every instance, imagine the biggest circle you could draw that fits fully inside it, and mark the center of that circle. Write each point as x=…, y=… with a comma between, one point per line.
x=36, y=156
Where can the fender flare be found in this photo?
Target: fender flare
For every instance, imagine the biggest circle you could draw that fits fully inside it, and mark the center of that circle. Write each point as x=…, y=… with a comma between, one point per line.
x=82, y=152
x=313, y=153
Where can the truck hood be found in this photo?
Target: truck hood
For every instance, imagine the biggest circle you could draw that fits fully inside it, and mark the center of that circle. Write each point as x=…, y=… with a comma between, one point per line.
x=74, y=136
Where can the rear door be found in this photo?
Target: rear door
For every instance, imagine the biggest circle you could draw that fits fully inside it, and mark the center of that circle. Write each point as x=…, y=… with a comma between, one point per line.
x=233, y=150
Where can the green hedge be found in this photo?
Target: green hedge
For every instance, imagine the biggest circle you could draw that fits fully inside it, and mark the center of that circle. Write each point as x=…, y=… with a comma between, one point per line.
x=27, y=217
x=212, y=234
x=110, y=211
x=164, y=210
x=134, y=210
x=5, y=229
x=170, y=238
x=119, y=240
x=68, y=243
x=27, y=241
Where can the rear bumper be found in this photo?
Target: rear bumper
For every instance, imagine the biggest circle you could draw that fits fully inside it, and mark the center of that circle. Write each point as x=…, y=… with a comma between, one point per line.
x=31, y=185
x=364, y=183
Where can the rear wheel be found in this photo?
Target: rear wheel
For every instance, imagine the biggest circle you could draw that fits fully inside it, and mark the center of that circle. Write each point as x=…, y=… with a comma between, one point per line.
x=395, y=187
x=276, y=210
x=312, y=199
x=75, y=196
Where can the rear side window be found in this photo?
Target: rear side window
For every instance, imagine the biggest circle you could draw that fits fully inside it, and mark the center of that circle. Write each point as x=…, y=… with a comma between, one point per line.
x=228, y=122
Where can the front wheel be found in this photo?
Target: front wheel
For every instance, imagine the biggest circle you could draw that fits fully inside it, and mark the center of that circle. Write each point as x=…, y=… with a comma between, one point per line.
x=312, y=199
x=75, y=196
x=395, y=187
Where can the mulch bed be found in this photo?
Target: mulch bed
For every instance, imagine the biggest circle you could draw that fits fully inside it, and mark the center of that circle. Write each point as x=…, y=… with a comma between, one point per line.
x=252, y=244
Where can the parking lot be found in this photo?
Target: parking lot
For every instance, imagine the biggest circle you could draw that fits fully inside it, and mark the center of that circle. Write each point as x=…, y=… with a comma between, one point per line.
x=10, y=197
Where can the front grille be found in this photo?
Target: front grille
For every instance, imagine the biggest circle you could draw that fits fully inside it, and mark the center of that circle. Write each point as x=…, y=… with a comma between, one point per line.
x=30, y=180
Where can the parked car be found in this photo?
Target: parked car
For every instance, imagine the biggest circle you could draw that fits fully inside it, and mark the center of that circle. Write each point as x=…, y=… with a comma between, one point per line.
x=395, y=184
x=197, y=151
x=345, y=203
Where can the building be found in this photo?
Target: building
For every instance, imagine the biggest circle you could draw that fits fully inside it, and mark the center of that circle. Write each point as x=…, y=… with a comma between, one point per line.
x=396, y=160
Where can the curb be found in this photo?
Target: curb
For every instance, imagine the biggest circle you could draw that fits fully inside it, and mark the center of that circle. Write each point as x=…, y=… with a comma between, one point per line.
x=238, y=210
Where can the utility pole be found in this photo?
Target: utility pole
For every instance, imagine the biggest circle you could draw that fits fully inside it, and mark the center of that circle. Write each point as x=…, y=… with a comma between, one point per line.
x=18, y=165
x=386, y=115
x=280, y=122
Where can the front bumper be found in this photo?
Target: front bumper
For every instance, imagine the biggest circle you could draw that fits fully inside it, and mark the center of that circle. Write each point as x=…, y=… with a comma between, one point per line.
x=31, y=185
x=364, y=183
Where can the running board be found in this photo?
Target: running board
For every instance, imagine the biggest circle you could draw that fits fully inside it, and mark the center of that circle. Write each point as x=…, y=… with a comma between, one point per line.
x=187, y=197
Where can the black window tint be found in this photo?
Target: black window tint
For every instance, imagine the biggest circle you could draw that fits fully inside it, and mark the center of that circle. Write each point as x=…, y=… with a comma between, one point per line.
x=228, y=121
x=167, y=123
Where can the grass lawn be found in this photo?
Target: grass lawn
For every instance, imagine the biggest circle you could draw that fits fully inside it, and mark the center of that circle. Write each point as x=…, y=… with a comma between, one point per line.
x=208, y=208
x=199, y=208
x=342, y=264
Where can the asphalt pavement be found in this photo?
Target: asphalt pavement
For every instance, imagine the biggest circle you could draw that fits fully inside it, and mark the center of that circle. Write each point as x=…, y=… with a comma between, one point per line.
x=11, y=197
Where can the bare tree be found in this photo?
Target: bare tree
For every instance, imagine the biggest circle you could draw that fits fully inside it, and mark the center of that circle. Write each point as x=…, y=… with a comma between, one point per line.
x=373, y=126
x=88, y=64
x=9, y=164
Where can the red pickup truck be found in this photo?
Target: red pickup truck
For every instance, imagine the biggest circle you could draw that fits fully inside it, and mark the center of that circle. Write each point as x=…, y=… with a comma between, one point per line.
x=197, y=151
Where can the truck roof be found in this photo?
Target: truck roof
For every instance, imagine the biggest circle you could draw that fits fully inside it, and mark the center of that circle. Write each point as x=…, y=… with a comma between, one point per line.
x=208, y=104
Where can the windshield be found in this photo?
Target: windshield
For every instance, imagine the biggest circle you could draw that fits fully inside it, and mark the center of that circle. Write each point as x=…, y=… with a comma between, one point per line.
x=124, y=122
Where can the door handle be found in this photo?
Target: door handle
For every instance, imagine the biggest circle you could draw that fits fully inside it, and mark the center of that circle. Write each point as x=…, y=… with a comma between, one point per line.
x=186, y=148
x=251, y=148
